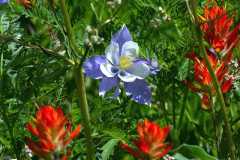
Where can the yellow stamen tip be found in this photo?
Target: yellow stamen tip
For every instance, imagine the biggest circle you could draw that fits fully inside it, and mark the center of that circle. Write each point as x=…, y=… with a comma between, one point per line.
x=125, y=62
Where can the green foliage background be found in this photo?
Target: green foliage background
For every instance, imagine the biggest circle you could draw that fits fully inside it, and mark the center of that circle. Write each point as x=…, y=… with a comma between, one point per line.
x=34, y=72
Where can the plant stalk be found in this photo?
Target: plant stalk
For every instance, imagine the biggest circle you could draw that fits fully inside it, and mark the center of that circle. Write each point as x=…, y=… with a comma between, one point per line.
x=222, y=103
x=216, y=85
x=68, y=26
x=79, y=80
x=184, y=103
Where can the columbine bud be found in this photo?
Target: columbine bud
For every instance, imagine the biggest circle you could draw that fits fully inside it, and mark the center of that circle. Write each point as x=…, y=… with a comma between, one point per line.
x=88, y=29
x=94, y=38
x=114, y=3
x=165, y=17
x=160, y=9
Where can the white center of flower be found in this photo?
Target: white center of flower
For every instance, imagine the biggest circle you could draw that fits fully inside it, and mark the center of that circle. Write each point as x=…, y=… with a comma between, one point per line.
x=125, y=62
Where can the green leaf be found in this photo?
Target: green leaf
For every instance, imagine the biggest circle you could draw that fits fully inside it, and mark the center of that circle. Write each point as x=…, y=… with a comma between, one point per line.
x=4, y=141
x=193, y=151
x=115, y=133
x=179, y=156
x=108, y=148
x=183, y=70
x=4, y=23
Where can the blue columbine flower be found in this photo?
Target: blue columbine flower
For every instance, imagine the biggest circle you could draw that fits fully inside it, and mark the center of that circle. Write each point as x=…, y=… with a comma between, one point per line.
x=121, y=64
x=3, y=1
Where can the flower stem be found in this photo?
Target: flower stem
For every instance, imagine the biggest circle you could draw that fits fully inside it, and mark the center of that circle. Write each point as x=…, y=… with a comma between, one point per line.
x=184, y=103
x=223, y=105
x=79, y=79
x=68, y=26
x=216, y=84
x=215, y=129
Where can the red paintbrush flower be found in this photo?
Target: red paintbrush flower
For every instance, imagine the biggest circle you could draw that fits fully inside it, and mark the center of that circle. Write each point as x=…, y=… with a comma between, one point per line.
x=217, y=29
x=150, y=142
x=203, y=81
x=53, y=131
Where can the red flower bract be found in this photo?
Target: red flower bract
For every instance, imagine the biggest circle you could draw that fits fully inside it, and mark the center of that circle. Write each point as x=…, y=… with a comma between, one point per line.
x=203, y=81
x=150, y=142
x=217, y=29
x=53, y=131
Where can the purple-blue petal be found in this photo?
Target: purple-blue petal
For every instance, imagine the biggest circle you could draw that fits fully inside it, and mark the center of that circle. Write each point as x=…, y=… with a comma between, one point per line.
x=107, y=84
x=153, y=65
x=122, y=36
x=3, y=1
x=116, y=92
x=92, y=66
x=154, y=69
x=139, y=91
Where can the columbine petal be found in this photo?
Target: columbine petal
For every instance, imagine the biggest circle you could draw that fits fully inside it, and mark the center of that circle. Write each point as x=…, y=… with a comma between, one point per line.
x=130, y=49
x=122, y=36
x=139, y=91
x=112, y=53
x=3, y=1
x=139, y=69
x=151, y=63
x=126, y=77
x=154, y=66
x=108, y=69
x=116, y=92
x=92, y=66
x=107, y=84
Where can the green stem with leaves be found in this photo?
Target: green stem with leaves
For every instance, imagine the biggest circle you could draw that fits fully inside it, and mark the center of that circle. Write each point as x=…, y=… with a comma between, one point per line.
x=69, y=28
x=10, y=131
x=79, y=79
x=216, y=84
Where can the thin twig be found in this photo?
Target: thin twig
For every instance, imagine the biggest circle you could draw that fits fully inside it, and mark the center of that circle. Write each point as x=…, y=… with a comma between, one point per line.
x=49, y=52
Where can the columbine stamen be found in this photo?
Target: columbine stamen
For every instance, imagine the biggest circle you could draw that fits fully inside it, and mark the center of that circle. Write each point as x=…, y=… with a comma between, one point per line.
x=125, y=62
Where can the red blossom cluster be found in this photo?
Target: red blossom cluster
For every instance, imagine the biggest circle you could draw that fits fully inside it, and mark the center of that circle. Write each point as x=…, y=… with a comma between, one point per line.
x=150, y=141
x=53, y=132
x=216, y=28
